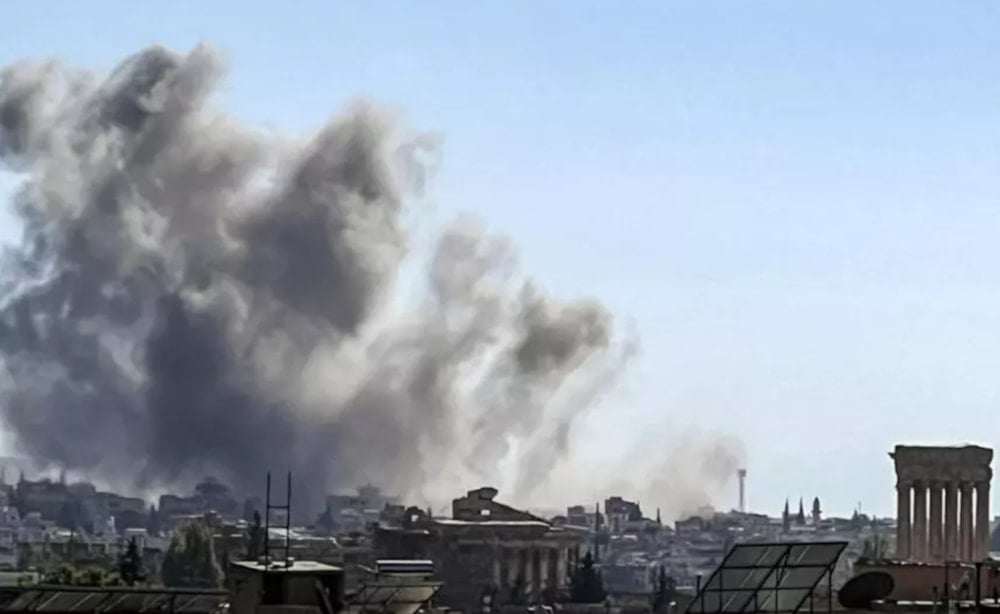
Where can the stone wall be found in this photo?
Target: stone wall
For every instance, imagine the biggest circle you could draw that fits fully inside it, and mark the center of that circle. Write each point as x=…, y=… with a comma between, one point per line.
x=515, y=563
x=916, y=581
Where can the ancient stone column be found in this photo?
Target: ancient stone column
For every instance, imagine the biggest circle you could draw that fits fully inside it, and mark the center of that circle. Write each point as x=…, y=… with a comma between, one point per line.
x=918, y=541
x=529, y=574
x=982, y=538
x=935, y=524
x=902, y=520
x=515, y=567
x=950, y=521
x=562, y=567
x=544, y=578
x=965, y=550
x=497, y=564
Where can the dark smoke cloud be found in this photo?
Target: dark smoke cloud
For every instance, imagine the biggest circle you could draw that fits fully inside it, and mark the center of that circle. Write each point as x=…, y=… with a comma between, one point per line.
x=193, y=297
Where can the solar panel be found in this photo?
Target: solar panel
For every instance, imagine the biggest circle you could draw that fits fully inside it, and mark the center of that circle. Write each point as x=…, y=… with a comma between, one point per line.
x=776, y=578
x=394, y=598
x=112, y=600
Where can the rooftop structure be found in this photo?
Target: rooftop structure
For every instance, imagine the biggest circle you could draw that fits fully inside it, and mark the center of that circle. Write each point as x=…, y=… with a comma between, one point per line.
x=519, y=556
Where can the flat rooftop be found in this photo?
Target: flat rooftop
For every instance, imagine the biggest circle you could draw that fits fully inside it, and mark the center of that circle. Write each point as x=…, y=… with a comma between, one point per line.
x=303, y=567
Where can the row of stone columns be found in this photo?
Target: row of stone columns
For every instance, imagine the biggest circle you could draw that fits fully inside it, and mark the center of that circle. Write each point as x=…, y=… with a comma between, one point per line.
x=539, y=568
x=963, y=534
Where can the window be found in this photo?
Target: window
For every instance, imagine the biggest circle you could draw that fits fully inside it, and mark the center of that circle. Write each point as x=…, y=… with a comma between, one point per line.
x=484, y=512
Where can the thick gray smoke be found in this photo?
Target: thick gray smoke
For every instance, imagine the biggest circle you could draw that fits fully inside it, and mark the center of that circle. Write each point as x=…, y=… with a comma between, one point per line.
x=194, y=297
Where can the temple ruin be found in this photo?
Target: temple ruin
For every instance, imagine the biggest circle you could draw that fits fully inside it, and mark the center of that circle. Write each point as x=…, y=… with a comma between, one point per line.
x=487, y=549
x=943, y=505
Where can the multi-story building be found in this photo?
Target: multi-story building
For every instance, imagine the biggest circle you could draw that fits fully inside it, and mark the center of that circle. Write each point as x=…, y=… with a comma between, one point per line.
x=622, y=514
x=487, y=549
x=209, y=495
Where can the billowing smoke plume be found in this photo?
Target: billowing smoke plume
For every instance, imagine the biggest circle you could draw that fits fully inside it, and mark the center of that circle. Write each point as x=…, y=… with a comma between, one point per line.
x=679, y=474
x=192, y=297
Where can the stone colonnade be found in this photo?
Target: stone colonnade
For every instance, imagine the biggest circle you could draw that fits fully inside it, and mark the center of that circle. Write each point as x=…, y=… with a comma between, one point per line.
x=943, y=505
x=539, y=566
x=928, y=531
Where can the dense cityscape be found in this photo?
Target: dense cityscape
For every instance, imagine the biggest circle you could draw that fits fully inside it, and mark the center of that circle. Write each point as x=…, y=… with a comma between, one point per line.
x=51, y=524
x=65, y=532
x=249, y=368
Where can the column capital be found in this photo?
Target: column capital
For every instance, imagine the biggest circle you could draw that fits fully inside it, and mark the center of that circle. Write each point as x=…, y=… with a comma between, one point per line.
x=904, y=484
x=966, y=486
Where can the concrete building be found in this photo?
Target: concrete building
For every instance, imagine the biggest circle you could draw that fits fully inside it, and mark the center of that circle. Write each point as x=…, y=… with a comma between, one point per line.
x=366, y=498
x=487, y=548
x=209, y=495
x=621, y=514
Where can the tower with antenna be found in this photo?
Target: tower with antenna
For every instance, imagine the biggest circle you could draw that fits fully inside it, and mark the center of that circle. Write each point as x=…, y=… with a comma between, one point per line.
x=742, y=475
x=287, y=508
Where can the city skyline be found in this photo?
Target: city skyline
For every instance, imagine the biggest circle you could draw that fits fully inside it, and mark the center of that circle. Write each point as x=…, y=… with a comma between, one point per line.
x=793, y=207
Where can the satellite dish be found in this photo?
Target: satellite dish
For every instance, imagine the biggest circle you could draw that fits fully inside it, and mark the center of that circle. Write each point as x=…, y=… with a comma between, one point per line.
x=859, y=592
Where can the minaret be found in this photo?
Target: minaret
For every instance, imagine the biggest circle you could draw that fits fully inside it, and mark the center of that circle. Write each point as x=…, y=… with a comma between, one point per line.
x=816, y=512
x=742, y=475
x=801, y=517
x=786, y=518
x=658, y=520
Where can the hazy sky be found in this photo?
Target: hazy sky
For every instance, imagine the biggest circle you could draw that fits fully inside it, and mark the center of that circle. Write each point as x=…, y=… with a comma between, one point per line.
x=793, y=203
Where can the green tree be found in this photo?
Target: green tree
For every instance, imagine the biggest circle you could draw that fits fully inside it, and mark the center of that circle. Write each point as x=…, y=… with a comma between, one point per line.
x=130, y=567
x=326, y=521
x=61, y=575
x=255, y=538
x=190, y=560
x=874, y=548
x=586, y=585
x=67, y=575
x=91, y=576
x=666, y=590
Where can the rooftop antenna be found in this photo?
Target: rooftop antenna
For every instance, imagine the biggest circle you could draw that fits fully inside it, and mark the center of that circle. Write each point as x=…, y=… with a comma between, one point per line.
x=742, y=475
x=287, y=508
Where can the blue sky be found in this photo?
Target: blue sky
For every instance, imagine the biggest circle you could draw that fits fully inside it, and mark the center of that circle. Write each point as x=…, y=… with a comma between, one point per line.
x=794, y=203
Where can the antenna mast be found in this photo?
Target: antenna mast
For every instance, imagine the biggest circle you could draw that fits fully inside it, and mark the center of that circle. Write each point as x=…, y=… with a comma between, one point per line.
x=287, y=508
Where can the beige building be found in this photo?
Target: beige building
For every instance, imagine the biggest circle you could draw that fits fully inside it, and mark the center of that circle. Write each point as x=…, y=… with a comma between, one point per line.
x=487, y=549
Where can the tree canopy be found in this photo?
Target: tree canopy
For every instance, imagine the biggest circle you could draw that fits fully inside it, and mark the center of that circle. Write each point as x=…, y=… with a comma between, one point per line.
x=67, y=575
x=190, y=560
x=130, y=567
x=874, y=548
x=255, y=538
x=586, y=585
x=666, y=590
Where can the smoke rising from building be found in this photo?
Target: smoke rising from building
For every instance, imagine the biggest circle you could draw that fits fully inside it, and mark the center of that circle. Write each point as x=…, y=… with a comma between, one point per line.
x=194, y=297
x=191, y=296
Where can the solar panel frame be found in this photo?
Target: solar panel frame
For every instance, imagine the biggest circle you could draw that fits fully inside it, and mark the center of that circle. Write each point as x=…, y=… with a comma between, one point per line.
x=394, y=598
x=766, y=577
x=108, y=600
